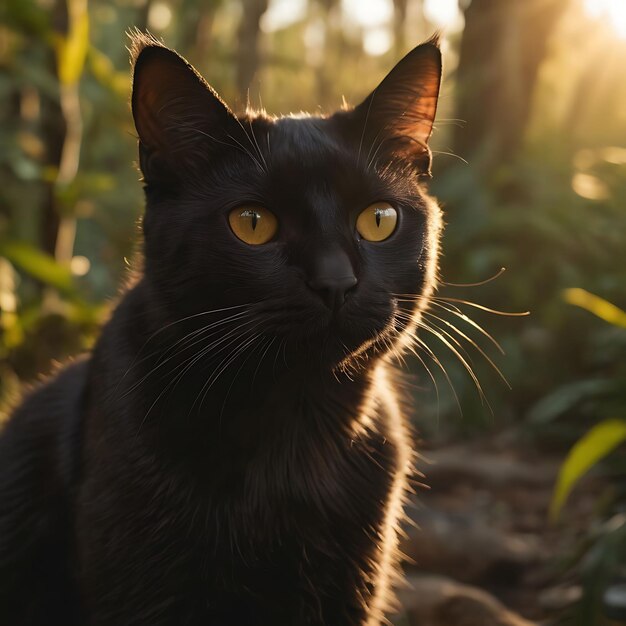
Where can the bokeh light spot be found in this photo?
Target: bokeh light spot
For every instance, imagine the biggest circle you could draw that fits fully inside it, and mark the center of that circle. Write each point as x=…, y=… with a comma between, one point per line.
x=80, y=265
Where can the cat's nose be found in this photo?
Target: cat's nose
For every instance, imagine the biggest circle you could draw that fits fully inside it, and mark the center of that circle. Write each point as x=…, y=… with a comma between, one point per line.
x=333, y=289
x=332, y=277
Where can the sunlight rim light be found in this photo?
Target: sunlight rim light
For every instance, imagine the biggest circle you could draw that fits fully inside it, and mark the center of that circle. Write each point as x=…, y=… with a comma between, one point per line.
x=613, y=12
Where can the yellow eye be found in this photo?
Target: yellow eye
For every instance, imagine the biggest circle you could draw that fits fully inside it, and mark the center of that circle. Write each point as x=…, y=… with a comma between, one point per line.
x=254, y=225
x=377, y=222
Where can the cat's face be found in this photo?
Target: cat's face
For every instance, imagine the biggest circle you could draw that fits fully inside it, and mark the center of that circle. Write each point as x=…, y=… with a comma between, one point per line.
x=317, y=224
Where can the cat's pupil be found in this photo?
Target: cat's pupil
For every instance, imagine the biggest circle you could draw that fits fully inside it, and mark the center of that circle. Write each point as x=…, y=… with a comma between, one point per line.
x=378, y=214
x=254, y=218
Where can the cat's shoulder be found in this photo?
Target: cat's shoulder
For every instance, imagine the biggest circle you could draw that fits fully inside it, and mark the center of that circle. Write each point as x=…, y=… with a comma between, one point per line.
x=56, y=391
x=43, y=430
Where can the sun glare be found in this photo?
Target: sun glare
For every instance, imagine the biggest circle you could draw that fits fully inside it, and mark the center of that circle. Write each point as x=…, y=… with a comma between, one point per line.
x=613, y=11
x=442, y=13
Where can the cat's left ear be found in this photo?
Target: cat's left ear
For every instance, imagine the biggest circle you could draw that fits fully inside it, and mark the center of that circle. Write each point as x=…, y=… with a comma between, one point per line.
x=400, y=112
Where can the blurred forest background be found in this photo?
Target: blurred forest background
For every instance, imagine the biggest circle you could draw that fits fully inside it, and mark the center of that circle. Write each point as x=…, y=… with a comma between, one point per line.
x=530, y=167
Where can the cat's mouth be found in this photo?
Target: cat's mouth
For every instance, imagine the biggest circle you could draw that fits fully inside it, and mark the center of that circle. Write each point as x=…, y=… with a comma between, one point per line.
x=335, y=335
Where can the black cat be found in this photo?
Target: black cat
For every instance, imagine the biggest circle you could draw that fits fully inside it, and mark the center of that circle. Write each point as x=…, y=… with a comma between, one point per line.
x=234, y=452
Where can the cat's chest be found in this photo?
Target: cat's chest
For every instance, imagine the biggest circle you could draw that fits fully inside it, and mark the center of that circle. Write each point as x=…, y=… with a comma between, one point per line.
x=266, y=518
x=287, y=465
x=299, y=507
x=297, y=488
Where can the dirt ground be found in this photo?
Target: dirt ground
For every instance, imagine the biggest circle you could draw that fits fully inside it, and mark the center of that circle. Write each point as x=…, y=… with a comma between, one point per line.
x=480, y=549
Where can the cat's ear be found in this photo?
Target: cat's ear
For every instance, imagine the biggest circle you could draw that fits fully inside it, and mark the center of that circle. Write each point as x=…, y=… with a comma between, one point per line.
x=398, y=115
x=177, y=114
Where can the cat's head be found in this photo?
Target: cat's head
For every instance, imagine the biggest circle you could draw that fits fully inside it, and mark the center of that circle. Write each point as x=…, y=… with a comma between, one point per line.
x=317, y=226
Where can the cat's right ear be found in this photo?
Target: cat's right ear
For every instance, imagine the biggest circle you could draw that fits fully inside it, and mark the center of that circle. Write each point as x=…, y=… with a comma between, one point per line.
x=177, y=114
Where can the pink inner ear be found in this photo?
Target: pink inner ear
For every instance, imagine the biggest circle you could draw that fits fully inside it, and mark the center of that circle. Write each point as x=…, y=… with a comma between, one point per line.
x=174, y=107
x=163, y=82
x=147, y=123
x=410, y=108
x=404, y=105
x=154, y=83
x=421, y=115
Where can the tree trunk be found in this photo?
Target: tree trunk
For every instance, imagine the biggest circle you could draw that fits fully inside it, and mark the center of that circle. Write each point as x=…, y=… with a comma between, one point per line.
x=54, y=129
x=399, y=26
x=329, y=51
x=248, y=54
x=503, y=46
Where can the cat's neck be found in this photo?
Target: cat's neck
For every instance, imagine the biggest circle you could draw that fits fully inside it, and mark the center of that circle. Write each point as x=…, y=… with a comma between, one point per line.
x=259, y=397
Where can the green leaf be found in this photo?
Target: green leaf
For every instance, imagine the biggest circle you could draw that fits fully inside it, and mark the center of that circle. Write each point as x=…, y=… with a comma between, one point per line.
x=591, y=448
x=566, y=397
x=105, y=73
x=37, y=264
x=596, y=305
x=72, y=49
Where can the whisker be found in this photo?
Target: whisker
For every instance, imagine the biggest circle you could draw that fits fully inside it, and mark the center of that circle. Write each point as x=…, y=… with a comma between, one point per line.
x=190, y=362
x=482, y=307
x=371, y=159
x=269, y=345
x=237, y=145
x=436, y=360
x=201, y=331
x=178, y=321
x=417, y=298
x=251, y=143
x=463, y=361
x=450, y=308
x=423, y=324
x=451, y=120
x=234, y=378
x=367, y=115
x=454, y=310
x=450, y=342
x=245, y=150
x=258, y=148
x=282, y=341
x=432, y=377
x=285, y=354
x=173, y=381
x=452, y=154
x=471, y=341
x=269, y=149
x=480, y=284
x=471, y=322
x=223, y=366
x=161, y=363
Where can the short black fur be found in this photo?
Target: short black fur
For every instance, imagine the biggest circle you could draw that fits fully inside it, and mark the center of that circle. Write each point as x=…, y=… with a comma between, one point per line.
x=234, y=451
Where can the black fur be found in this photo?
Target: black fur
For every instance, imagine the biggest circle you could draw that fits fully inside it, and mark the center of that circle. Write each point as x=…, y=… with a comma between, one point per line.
x=233, y=453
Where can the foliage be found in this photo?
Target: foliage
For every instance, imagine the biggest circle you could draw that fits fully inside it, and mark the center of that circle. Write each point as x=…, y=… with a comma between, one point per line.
x=37, y=264
x=551, y=212
x=598, y=306
x=603, y=555
x=524, y=215
x=549, y=238
x=600, y=441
